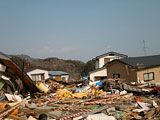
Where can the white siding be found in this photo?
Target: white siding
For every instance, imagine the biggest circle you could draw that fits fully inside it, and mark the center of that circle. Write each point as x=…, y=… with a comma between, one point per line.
x=97, y=64
x=102, y=72
x=65, y=77
x=38, y=71
x=102, y=60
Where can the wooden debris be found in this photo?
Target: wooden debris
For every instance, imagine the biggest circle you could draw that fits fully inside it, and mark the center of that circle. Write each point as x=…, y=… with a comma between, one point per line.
x=6, y=111
x=94, y=111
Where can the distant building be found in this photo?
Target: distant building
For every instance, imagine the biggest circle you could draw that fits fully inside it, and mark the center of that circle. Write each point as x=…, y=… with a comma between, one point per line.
x=100, y=72
x=38, y=75
x=59, y=75
x=135, y=69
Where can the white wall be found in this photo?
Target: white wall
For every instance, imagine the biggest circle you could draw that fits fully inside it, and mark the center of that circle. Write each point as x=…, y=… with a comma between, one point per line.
x=66, y=77
x=39, y=71
x=97, y=64
x=2, y=68
x=101, y=72
x=102, y=62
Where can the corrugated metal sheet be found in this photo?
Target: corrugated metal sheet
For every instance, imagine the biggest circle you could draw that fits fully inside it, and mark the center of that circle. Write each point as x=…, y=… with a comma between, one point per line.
x=57, y=73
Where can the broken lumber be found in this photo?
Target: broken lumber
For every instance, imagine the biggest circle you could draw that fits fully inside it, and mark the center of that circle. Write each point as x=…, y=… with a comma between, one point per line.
x=92, y=112
x=6, y=111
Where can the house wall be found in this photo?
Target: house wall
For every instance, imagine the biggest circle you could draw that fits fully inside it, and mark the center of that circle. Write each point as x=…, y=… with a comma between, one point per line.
x=126, y=72
x=101, y=72
x=97, y=64
x=58, y=78
x=102, y=60
x=155, y=70
x=38, y=71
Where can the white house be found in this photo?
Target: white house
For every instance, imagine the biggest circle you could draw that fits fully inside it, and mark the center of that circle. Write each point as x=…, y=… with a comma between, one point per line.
x=101, y=72
x=38, y=74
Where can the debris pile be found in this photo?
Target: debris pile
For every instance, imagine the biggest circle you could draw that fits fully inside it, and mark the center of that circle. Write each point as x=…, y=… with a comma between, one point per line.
x=20, y=99
x=90, y=104
x=13, y=79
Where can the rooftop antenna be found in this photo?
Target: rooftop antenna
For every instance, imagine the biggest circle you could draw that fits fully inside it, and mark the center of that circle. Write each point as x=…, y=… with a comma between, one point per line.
x=144, y=47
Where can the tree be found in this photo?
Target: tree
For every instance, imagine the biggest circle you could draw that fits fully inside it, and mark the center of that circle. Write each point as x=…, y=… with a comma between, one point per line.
x=90, y=66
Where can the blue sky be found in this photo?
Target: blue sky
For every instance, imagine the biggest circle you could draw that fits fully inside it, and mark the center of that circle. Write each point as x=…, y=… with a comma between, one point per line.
x=79, y=29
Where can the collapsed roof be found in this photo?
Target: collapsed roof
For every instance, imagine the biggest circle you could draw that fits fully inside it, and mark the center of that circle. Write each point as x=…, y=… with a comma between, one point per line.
x=57, y=73
x=11, y=70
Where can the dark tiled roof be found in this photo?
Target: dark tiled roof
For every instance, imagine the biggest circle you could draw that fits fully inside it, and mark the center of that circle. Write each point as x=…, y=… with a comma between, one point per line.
x=142, y=62
x=97, y=69
x=111, y=53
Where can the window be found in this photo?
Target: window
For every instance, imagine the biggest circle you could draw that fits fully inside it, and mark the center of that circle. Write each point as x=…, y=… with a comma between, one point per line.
x=106, y=60
x=111, y=54
x=37, y=77
x=64, y=78
x=116, y=75
x=149, y=76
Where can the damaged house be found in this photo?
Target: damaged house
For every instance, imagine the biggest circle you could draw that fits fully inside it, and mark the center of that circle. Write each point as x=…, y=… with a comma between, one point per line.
x=135, y=69
x=40, y=75
x=13, y=78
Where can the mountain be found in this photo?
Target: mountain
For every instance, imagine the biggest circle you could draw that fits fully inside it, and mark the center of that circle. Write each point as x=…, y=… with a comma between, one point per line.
x=75, y=68
x=26, y=57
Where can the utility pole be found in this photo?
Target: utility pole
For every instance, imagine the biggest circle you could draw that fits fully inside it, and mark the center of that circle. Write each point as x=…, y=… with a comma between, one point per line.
x=144, y=47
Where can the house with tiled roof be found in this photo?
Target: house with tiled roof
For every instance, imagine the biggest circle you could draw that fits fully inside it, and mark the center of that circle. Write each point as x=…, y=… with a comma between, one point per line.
x=135, y=69
x=100, y=72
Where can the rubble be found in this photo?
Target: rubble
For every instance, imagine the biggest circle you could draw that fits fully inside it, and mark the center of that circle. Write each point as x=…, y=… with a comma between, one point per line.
x=64, y=104
x=13, y=79
x=58, y=101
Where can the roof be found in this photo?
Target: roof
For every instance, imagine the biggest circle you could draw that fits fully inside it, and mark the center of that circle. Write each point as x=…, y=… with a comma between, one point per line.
x=142, y=62
x=96, y=70
x=32, y=69
x=111, y=53
x=57, y=73
x=14, y=69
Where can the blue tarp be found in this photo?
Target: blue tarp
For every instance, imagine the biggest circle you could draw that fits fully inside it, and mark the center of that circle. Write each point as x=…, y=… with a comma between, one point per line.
x=77, y=90
x=99, y=84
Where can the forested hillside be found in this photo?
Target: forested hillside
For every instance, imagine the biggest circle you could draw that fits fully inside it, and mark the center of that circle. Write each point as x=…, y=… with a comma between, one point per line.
x=75, y=68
